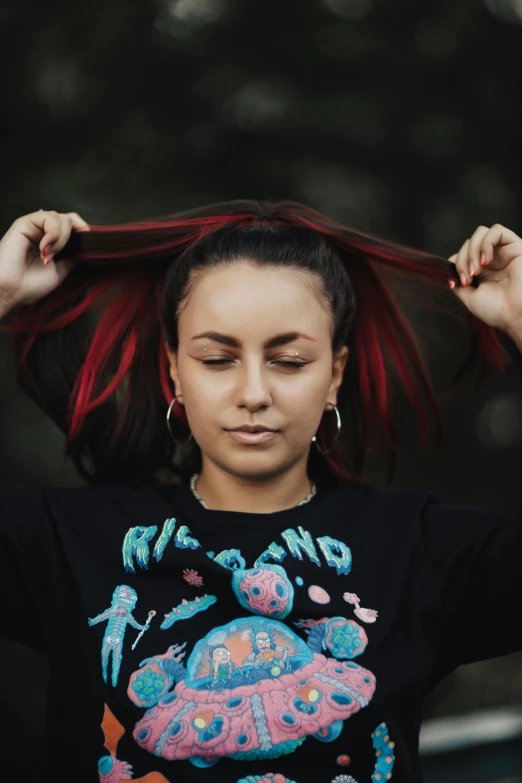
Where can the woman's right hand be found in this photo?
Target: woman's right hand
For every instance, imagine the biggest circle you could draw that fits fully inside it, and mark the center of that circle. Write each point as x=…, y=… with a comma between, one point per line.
x=28, y=271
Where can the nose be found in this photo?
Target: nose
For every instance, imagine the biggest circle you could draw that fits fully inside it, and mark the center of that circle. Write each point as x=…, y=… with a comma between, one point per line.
x=253, y=385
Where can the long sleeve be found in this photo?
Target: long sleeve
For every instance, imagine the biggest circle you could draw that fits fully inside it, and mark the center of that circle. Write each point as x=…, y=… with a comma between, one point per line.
x=475, y=558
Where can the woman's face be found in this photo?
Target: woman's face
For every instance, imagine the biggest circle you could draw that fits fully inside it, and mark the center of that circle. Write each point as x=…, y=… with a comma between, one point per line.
x=252, y=306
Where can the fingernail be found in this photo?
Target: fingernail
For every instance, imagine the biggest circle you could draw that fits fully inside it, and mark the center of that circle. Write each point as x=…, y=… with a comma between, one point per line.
x=48, y=258
x=482, y=259
x=463, y=278
x=451, y=284
x=471, y=269
x=46, y=250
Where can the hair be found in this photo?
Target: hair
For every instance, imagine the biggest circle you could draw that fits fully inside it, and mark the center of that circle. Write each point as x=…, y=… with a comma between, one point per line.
x=213, y=649
x=253, y=637
x=91, y=354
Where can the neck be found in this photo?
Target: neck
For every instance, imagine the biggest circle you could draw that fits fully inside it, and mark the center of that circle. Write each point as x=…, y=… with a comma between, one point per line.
x=224, y=491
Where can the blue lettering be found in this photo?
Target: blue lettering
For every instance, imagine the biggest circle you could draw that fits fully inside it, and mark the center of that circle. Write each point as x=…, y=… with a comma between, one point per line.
x=274, y=552
x=183, y=540
x=136, y=542
x=163, y=540
x=231, y=558
x=302, y=542
x=336, y=554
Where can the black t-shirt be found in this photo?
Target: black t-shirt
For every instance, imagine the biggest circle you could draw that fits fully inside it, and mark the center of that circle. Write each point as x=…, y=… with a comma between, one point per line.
x=188, y=644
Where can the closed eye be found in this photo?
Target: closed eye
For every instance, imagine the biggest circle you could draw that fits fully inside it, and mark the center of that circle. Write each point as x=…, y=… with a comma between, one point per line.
x=224, y=361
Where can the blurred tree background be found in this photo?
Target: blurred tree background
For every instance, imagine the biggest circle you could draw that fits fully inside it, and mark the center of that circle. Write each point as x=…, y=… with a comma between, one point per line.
x=401, y=119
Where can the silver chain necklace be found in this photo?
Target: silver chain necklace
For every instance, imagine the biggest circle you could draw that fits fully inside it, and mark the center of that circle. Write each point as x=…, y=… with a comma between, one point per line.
x=195, y=477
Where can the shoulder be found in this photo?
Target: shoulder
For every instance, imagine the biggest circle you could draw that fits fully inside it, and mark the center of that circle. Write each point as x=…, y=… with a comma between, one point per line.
x=374, y=501
x=368, y=515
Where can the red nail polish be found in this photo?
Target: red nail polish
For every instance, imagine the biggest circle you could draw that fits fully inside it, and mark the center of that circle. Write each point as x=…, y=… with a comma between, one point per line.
x=46, y=250
x=451, y=284
x=48, y=258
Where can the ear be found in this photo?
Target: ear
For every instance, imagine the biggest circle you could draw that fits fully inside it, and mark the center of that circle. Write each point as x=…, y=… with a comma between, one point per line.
x=337, y=373
x=173, y=371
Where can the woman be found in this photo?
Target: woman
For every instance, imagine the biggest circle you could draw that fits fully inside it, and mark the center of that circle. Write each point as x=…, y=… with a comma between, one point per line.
x=247, y=323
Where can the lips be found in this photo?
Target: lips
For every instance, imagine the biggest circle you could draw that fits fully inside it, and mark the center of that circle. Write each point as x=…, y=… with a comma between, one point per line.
x=246, y=429
x=252, y=437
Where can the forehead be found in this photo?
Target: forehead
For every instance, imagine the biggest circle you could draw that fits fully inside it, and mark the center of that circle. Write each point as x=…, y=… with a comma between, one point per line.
x=240, y=298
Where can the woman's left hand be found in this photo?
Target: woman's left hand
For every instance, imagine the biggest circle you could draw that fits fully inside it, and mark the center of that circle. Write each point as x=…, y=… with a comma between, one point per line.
x=497, y=300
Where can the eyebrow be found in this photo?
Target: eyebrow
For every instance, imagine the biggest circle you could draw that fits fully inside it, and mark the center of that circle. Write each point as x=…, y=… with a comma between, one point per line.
x=280, y=339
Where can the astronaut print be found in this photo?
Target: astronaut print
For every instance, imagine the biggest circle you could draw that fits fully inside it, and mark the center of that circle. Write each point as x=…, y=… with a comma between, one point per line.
x=118, y=616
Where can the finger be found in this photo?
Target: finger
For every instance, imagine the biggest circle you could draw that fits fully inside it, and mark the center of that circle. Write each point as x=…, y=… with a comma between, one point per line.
x=474, y=251
x=497, y=236
x=64, y=232
x=32, y=225
x=70, y=221
x=47, y=222
x=462, y=263
x=78, y=223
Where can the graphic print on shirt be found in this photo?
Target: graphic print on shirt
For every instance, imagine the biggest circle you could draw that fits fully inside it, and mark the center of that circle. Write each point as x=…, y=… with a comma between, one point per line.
x=137, y=541
x=318, y=595
x=259, y=699
x=187, y=609
x=267, y=590
x=268, y=778
x=344, y=638
x=384, y=752
x=385, y=758
x=113, y=770
x=156, y=676
x=110, y=768
x=192, y=577
x=118, y=615
x=366, y=615
x=252, y=689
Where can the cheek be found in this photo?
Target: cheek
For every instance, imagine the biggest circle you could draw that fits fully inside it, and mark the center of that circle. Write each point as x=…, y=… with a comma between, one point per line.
x=311, y=386
x=206, y=401
x=303, y=408
x=211, y=395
